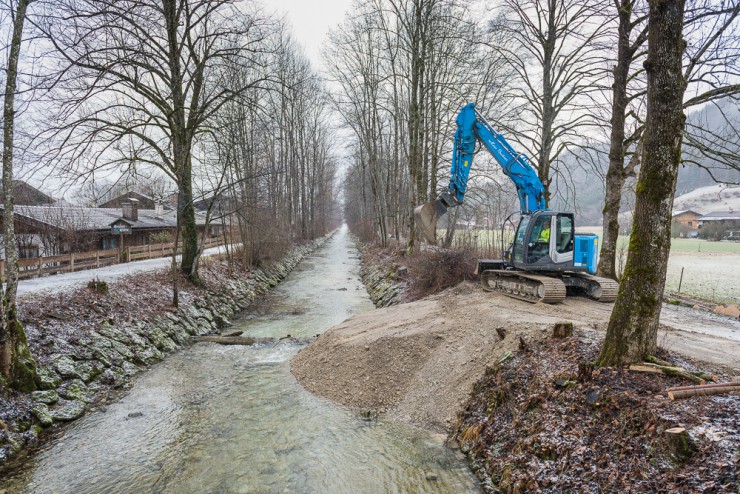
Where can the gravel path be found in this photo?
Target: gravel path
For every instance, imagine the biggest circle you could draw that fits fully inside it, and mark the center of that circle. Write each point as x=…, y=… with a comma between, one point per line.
x=60, y=282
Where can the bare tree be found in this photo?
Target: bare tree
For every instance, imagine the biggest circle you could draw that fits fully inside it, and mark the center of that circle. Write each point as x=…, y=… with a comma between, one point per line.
x=143, y=81
x=711, y=66
x=555, y=49
x=633, y=328
x=17, y=367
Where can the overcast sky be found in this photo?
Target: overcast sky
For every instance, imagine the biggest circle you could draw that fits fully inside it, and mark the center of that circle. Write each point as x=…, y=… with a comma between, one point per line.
x=311, y=21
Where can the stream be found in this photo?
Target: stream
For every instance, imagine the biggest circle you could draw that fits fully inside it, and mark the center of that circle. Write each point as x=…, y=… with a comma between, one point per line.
x=233, y=419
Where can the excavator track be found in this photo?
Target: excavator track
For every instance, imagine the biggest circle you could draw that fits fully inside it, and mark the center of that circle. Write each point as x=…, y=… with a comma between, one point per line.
x=523, y=286
x=597, y=288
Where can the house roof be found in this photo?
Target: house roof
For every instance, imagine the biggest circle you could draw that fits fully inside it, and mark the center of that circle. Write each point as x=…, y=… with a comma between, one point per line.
x=97, y=219
x=720, y=215
x=116, y=202
x=25, y=193
x=683, y=211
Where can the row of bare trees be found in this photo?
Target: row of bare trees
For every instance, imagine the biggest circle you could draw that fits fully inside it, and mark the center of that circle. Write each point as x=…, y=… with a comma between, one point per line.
x=211, y=98
x=563, y=79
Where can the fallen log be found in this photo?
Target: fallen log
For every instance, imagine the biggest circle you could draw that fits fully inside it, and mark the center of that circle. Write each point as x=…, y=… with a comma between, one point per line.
x=700, y=374
x=231, y=340
x=644, y=368
x=656, y=360
x=702, y=391
x=669, y=371
x=704, y=386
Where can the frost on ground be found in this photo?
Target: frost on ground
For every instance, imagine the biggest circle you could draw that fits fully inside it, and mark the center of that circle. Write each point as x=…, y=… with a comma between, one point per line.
x=563, y=431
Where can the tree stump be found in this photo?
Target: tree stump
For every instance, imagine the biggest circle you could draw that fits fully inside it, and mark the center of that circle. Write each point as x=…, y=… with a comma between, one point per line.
x=563, y=329
x=522, y=344
x=585, y=371
x=680, y=445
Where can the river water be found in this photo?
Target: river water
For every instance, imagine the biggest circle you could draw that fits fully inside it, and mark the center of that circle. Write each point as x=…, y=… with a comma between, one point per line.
x=220, y=419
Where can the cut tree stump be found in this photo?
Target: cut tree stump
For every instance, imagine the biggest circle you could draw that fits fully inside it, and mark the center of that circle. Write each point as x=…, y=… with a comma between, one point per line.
x=585, y=371
x=680, y=445
x=563, y=329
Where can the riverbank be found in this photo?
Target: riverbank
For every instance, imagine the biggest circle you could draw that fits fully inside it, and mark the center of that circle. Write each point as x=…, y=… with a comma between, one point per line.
x=90, y=342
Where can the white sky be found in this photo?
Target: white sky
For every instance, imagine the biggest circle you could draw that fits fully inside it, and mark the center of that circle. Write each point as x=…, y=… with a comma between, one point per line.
x=311, y=21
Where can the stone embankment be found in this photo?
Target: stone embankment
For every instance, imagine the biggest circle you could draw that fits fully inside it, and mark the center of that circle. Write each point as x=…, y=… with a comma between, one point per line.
x=384, y=282
x=89, y=367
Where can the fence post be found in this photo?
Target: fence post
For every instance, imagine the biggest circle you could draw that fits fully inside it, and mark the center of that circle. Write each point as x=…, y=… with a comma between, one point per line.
x=97, y=258
x=71, y=262
x=39, y=267
x=2, y=271
x=680, y=280
x=149, y=251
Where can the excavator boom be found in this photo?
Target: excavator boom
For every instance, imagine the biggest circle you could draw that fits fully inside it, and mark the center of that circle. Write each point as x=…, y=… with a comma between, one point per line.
x=471, y=129
x=547, y=257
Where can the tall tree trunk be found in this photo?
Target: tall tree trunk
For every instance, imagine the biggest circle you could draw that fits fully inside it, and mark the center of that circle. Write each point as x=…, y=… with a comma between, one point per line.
x=181, y=144
x=633, y=327
x=615, y=175
x=17, y=367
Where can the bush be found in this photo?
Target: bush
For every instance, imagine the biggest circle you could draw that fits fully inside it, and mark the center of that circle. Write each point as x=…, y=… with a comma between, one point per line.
x=434, y=271
x=163, y=237
x=713, y=231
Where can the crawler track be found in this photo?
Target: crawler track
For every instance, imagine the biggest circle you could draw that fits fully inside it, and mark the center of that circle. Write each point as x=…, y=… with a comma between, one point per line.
x=601, y=289
x=523, y=286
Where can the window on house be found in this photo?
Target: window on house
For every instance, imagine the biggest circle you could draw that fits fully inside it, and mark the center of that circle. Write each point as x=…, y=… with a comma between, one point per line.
x=110, y=243
x=28, y=251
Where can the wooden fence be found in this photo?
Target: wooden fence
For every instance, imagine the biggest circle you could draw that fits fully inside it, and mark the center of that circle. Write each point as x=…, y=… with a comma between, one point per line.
x=76, y=261
x=153, y=251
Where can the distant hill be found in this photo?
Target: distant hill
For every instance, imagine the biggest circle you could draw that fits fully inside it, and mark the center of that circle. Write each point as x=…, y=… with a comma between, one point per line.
x=716, y=197
x=696, y=188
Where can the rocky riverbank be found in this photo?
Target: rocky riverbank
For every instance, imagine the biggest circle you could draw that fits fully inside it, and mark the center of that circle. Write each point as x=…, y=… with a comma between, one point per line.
x=386, y=281
x=88, y=343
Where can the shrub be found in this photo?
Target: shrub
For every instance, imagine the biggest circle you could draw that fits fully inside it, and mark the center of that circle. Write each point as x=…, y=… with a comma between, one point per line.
x=713, y=231
x=434, y=271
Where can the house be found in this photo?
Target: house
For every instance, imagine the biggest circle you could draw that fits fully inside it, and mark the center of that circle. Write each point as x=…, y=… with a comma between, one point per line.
x=727, y=220
x=687, y=222
x=55, y=230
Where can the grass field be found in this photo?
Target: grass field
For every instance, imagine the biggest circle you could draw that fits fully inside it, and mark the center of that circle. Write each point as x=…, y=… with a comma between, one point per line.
x=711, y=270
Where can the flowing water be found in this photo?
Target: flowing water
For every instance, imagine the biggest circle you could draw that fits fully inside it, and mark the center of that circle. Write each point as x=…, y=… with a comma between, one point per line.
x=220, y=419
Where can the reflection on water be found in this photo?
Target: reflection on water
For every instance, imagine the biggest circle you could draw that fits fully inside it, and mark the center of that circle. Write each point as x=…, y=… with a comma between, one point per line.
x=233, y=419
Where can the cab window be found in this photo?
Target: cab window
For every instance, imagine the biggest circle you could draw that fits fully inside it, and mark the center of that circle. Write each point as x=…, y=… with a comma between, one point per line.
x=565, y=234
x=539, y=239
x=518, y=253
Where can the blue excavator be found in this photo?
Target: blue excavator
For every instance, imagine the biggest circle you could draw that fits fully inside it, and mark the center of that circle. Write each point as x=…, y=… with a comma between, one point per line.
x=547, y=258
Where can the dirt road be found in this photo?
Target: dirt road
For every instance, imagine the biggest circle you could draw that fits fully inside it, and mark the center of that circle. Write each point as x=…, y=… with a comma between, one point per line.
x=418, y=361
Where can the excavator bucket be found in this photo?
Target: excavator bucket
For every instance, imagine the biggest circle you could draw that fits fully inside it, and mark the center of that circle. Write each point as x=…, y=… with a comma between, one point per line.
x=427, y=216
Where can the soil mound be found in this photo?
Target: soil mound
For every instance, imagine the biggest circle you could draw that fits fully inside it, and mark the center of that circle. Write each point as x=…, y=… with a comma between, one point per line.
x=417, y=362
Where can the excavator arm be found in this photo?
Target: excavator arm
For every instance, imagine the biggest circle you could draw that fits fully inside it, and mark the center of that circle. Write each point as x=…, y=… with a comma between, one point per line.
x=471, y=129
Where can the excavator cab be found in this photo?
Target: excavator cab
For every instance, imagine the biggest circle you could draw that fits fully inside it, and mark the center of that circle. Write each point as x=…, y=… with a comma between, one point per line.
x=544, y=241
